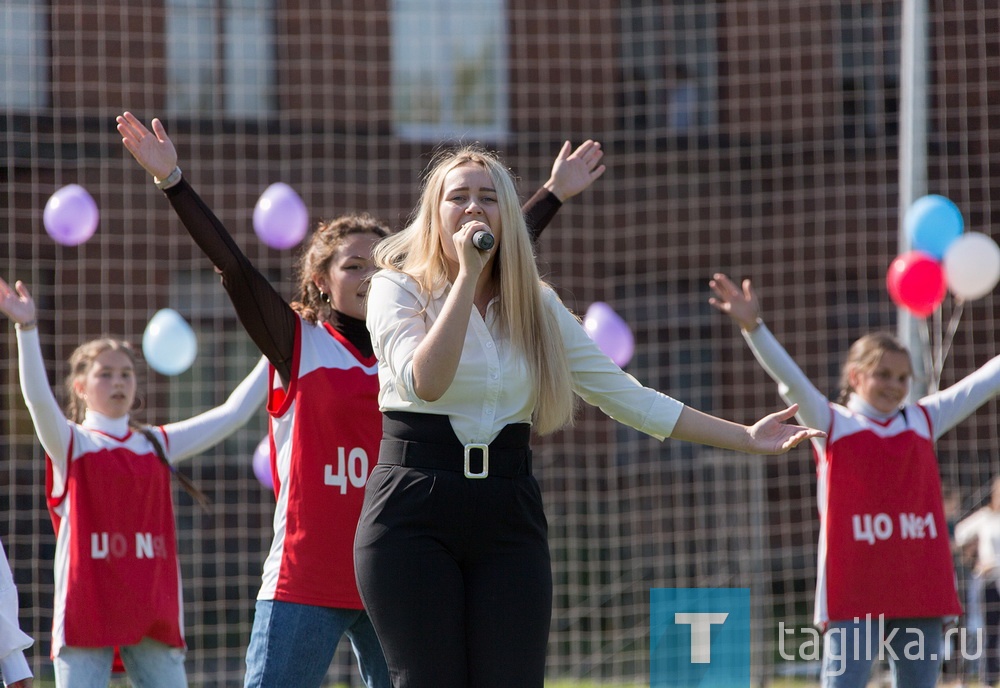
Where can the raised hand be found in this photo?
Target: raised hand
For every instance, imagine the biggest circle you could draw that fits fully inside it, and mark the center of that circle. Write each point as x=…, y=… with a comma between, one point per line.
x=152, y=149
x=771, y=435
x=17, y=303
x=740, y=305
x=574, y=172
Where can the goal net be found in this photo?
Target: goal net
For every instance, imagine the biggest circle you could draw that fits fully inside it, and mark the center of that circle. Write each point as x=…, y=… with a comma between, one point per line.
x=760, y=139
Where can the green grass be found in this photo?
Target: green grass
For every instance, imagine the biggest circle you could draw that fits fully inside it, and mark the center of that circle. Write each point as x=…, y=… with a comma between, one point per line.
x=563, y=683
x=777, y=683
x=590, y=684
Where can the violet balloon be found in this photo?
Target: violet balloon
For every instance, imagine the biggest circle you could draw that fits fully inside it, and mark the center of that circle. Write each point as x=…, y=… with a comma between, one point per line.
x=610, y=332
x=70, y=216
x=262, y=463
x=280, y=217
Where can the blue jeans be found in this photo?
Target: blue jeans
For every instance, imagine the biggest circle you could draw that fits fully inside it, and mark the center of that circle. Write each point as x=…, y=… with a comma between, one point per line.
x=149, y=664
x=293, y=644
x=914, y=648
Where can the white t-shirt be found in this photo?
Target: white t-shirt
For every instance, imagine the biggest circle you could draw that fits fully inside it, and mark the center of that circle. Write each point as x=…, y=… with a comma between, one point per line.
x=983, y=526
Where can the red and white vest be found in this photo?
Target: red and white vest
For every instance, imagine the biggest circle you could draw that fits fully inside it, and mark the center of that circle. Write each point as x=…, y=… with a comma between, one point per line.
x=325, y=431
x=116, y=571
x=884, y=545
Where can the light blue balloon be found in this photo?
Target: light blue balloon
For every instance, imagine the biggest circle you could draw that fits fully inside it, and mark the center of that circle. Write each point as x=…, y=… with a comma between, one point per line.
x=169, y=344
x=932, y=223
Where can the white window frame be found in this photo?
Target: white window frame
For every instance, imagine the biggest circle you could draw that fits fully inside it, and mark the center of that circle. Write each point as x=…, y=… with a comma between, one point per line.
x=435, y=42
x=221, y=57
x=25, y=71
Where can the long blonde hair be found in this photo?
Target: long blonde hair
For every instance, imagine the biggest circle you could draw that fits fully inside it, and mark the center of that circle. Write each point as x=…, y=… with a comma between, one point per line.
x=524, y=319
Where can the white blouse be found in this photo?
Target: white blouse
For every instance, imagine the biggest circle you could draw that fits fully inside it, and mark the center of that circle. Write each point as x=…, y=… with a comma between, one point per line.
x=492, y=387
x=982, y=527
x=13, y=641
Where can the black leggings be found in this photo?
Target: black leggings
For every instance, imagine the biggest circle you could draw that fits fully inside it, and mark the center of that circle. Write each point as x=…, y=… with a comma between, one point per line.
x=456, y=576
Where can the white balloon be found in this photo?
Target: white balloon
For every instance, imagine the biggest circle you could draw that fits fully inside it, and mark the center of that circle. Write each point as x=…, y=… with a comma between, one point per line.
x=972, y=265
x=169, y=344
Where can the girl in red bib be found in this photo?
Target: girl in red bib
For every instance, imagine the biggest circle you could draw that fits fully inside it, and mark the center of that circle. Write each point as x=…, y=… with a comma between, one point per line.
x=107, y=483
x=885, y=581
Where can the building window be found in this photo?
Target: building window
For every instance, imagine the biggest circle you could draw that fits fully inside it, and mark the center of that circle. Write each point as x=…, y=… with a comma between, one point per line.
x=669, y=59
x=221, y=57
x=24, y=54
x=869, y=67
x=449, y=69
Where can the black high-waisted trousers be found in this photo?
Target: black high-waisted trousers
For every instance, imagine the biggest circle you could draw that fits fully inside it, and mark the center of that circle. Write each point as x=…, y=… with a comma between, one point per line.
x=454, y=571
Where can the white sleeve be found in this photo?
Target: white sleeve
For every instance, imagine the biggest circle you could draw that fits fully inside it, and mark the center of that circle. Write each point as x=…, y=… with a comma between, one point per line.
x=397, y=326
x=793, y=385
x=951, y=406
x=967, y=529
x=14, y=667
x=13, y=641
x=599, y=382
x=189, y=437
x=51, y=426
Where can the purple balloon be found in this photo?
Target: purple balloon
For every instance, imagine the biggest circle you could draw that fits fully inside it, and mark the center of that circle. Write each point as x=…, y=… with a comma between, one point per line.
x=280, y=217
x=262, y=463
x=70, y=215
x=611, y=334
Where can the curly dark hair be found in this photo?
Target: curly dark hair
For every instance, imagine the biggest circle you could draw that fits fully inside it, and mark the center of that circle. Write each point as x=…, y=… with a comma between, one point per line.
x=316, y=257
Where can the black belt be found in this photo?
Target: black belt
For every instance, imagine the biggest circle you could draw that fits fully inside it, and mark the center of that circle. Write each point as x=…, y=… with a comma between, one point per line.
x=423, y=440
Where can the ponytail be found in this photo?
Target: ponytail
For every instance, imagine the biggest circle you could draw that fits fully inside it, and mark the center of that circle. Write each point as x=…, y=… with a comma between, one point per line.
x=185, y=481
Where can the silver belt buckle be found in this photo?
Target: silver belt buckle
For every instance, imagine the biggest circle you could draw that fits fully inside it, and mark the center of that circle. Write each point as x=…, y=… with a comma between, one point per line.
x=469, y=448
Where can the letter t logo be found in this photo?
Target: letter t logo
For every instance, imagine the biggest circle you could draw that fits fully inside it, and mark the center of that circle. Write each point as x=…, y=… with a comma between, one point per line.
x=701, y=632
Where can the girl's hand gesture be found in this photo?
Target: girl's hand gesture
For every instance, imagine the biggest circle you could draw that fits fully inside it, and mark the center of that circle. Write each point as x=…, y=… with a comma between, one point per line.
x=575, y=170
x=470, y=257
x=153, y=150
x=17, y=305
x=741, y=306
x=770, y=435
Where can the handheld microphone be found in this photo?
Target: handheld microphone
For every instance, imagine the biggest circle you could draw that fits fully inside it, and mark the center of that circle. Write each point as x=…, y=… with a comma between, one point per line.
x=483, y=240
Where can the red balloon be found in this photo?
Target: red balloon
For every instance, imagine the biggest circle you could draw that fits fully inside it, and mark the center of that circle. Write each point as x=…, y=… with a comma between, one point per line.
x=916, y=282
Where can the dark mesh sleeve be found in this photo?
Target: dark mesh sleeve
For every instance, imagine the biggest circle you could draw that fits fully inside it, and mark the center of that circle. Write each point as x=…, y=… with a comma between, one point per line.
x=539, y=211
x=265, y=315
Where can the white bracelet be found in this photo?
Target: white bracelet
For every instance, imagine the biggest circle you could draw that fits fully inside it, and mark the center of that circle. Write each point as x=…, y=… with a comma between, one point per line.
x=170, y=180
x=30, y=325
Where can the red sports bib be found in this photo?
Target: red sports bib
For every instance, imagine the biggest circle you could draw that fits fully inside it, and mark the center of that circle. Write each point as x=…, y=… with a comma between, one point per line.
x=887, y=544
x=121, y=574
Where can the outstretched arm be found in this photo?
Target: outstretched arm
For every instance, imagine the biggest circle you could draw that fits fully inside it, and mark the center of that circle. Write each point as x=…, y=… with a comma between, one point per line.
x=50, y=423
x=572, y=172
x=741, y=304
x=192, y=436
x=769, y=435
x=598, y=381
x=949, y=407
x=265, y=315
